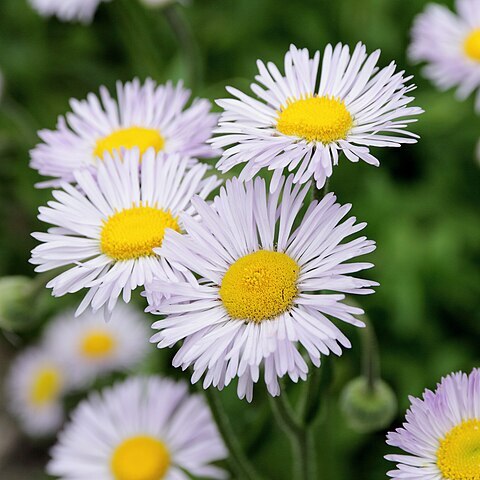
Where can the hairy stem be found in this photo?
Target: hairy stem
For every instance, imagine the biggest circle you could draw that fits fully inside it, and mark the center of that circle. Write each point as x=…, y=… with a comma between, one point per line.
x=239, y=462
x=187, y=42
x=370, y=355
x=300, y=435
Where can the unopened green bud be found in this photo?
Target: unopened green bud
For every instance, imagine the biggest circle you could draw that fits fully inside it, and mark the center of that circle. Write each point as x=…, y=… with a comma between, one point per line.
x=368, y=409
x=16, y=298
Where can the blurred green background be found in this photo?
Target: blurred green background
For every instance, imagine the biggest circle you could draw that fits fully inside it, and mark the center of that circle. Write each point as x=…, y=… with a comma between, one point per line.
x=422, y=205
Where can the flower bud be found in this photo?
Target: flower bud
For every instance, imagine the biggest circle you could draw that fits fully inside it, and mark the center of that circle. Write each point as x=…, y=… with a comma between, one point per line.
x=368, y=409
x=16, y=297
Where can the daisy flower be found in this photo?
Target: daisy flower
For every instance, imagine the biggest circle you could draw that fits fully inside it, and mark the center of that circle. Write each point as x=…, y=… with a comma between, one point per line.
x=67, y=10
x=304, y=119
x=142, y=116
x=95, y=347
x=107, y=229
x=449, y=43
x=441, y=435
x=267, y=289
x=35, y=384
x=142, y=429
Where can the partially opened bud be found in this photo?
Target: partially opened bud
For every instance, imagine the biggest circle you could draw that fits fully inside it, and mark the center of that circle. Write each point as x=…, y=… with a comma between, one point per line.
x=16, y=297
x=368, y=409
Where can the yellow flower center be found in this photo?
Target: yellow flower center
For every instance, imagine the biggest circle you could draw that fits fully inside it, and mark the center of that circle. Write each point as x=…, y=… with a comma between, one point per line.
x=97, y=344
x=316, y=119
x=140, y=137
x=472, y=45
x=458, y=456
x=260, y=286
x=135, y=232
x=45, y=387
x=140, y=458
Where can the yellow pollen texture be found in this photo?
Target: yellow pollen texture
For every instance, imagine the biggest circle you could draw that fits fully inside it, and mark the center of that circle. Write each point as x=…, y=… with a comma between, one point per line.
x=97, y=344
x=140, y=458
x=472, y=45
x=45, y=387
x=260, y=286
x=458, y=456
x=135, y=232
x=142, y=138
x=316, y=119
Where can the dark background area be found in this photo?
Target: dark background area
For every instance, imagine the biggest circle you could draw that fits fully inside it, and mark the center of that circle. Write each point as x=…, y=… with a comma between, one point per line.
x=422, y=205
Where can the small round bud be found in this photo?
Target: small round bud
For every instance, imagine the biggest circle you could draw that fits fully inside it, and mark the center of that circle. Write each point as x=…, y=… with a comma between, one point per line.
x=16, y=296
x=366, y=409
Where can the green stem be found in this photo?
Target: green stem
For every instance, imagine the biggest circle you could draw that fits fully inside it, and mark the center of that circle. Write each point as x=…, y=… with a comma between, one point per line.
x=318, y=194
x=19, y=115
x=187, y=42
x=300, y=435
x=140, y=44
x=370, y=355
x=316, y=389
x=239, y=462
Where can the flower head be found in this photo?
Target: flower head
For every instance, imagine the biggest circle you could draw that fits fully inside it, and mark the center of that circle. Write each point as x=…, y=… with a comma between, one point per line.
x=143, y=116
x=441, y=435
x=107, y=229
x=144, y=428
x=93, y=347
x=303, y=119
x=35, y=384
x=67, y=10
x=267, y=287
x=449, y=43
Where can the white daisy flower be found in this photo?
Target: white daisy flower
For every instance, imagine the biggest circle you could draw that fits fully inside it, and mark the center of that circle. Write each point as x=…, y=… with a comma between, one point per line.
x=304, y=119
x=142, y=116
x=146, y=428
x=258, y=299
x=94, y=347
x=450, y=45
x=67, y=10
x=441, y=435
x=107, y=229
x=35, y=384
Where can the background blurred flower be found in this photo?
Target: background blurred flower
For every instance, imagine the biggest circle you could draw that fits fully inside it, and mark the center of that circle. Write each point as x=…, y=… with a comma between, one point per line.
x=143, y=428
x=161, y=3
x=441, y=434
x=450, y=45
x=36, y=381
x=257, y=298
x=109, y=228
x=92, y=347
x=67, y=10
x=143, y=116
x=304, y=119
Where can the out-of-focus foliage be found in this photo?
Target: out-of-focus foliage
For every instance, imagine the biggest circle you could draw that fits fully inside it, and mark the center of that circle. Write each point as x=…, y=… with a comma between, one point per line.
x=422, y=204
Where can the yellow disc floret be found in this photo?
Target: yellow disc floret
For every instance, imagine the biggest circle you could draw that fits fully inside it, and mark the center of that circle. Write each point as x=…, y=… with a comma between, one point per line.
x=458, y=456
x=260, y=286
x=316, y=119
x=97, y=344
x=142, y=138
x=140, y=458
x=46, y=386
x=472, y=45
x=135, y=232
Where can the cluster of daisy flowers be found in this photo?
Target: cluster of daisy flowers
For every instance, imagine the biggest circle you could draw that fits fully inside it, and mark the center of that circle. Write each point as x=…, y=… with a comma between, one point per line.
x=70, y=356
x=251, y=280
